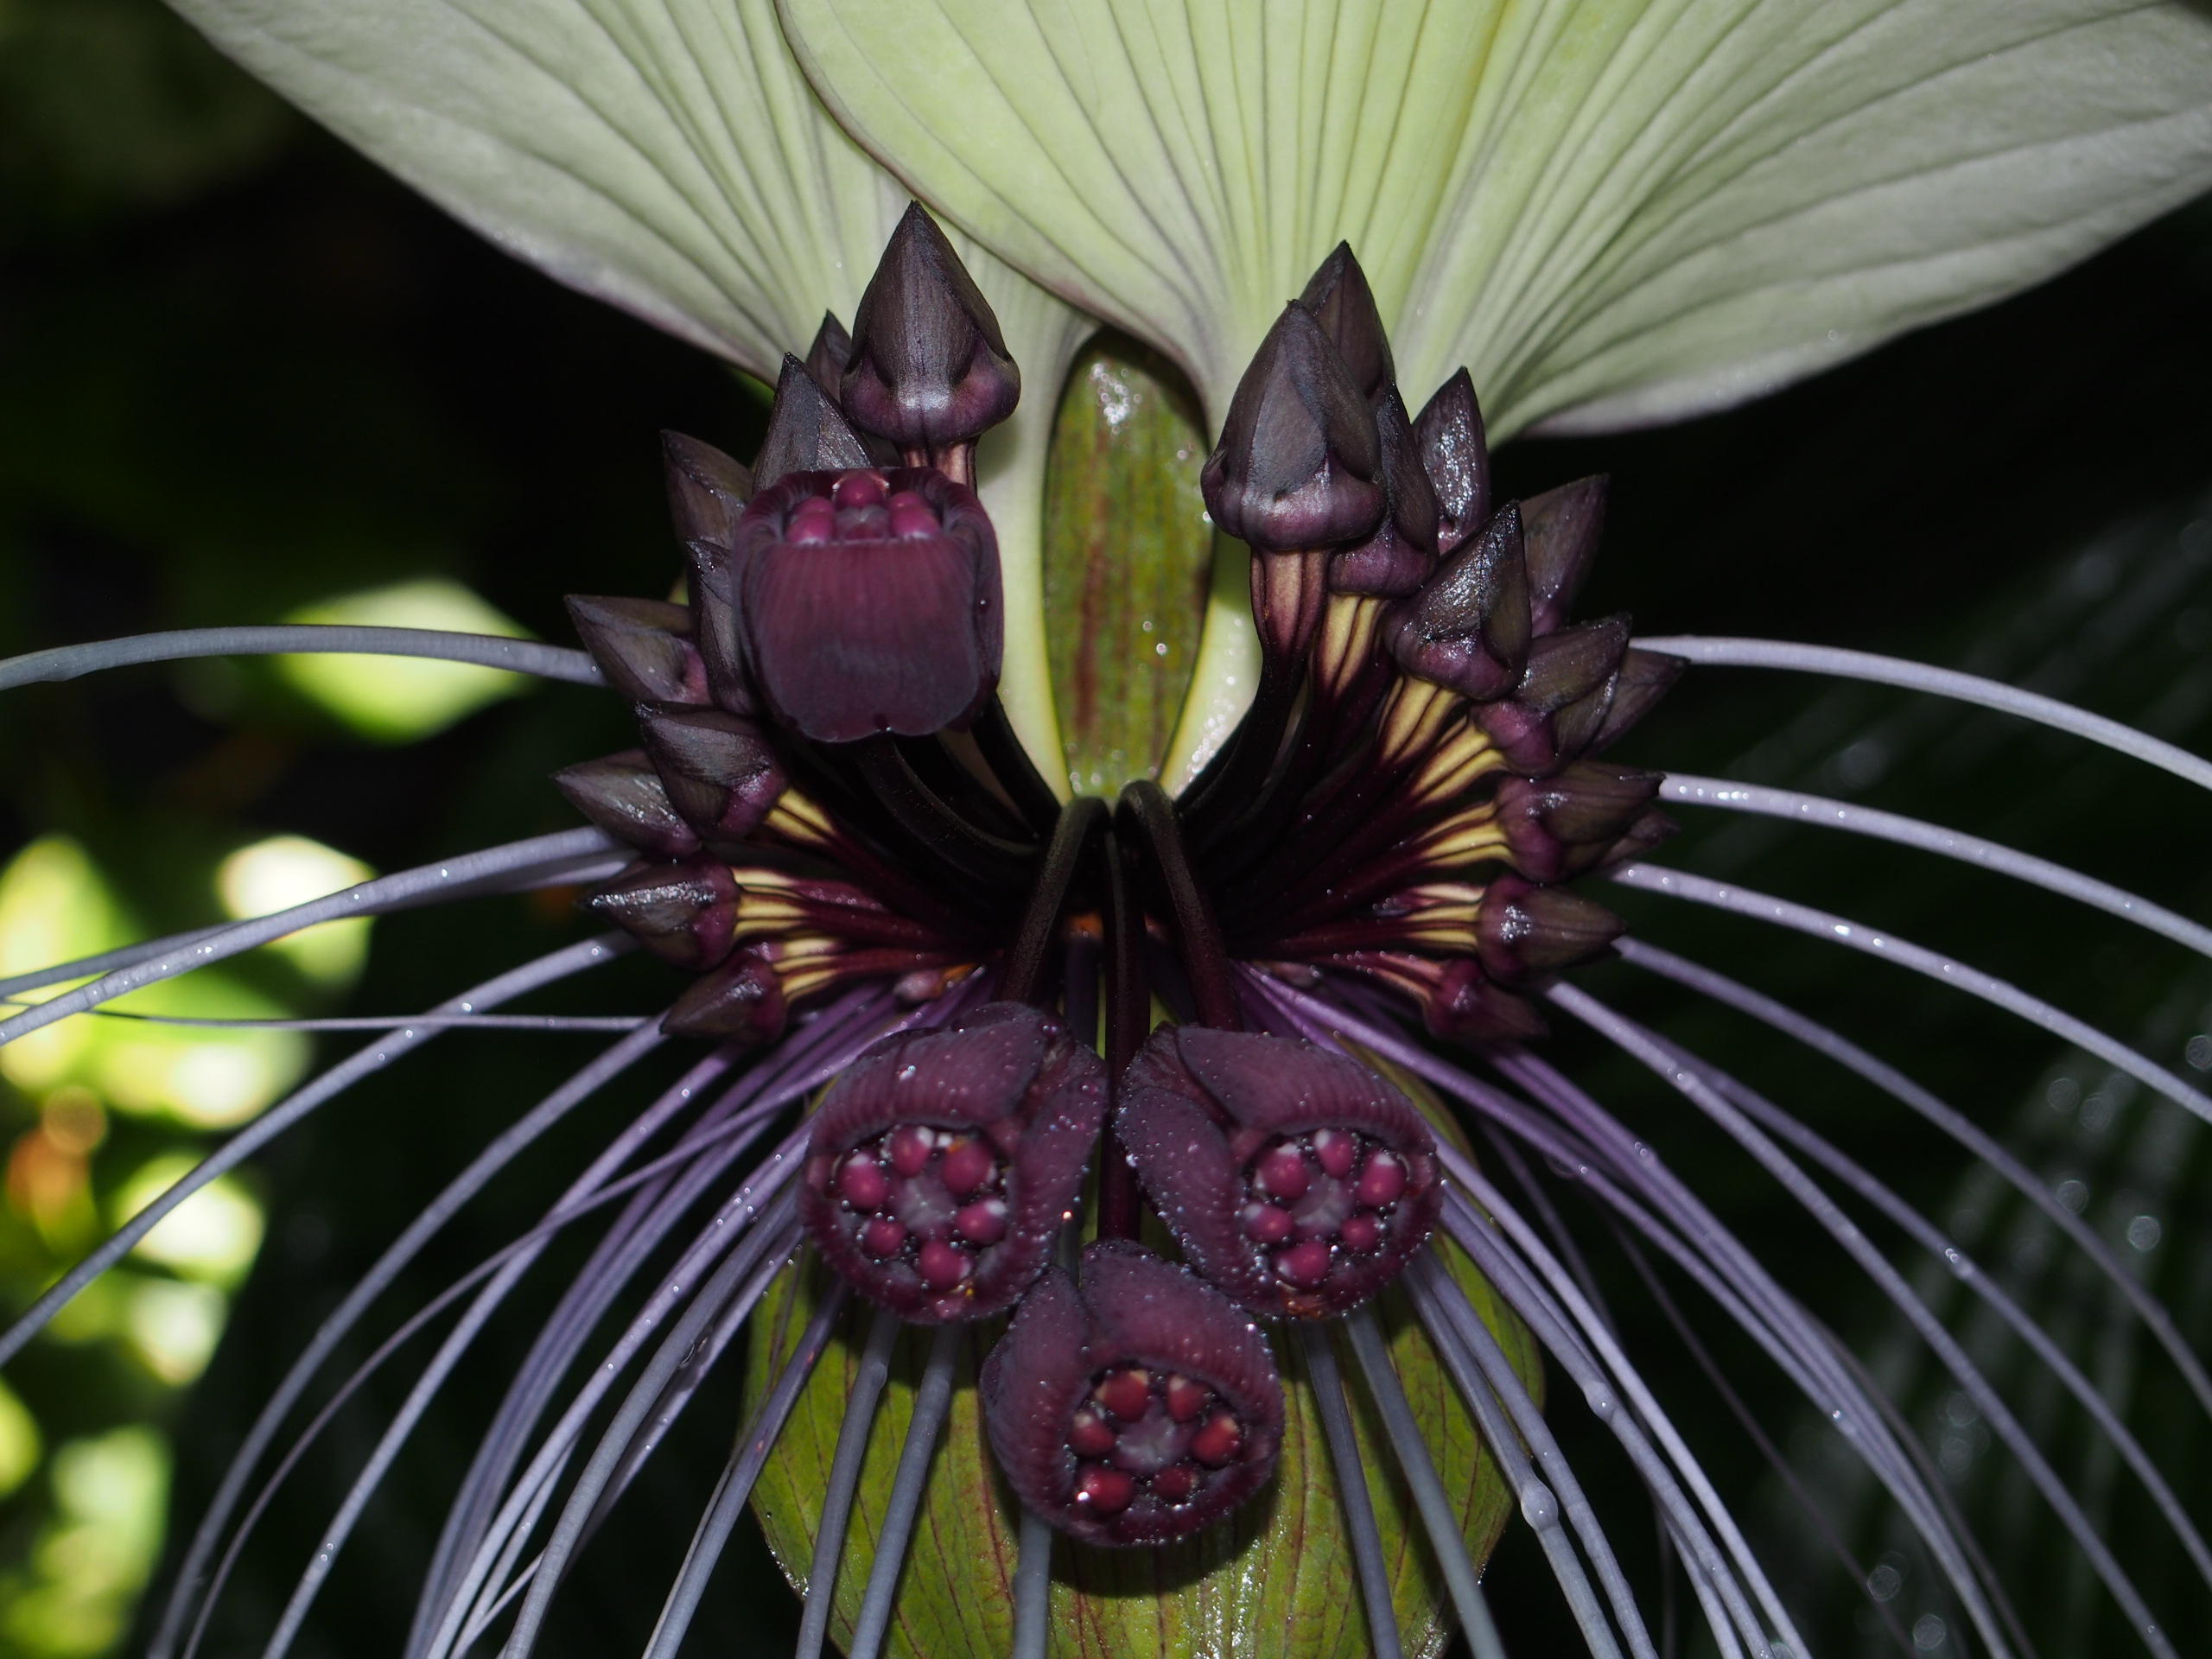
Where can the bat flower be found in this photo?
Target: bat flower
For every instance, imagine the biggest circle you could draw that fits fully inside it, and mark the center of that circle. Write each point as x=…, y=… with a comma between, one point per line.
x=1014, y=965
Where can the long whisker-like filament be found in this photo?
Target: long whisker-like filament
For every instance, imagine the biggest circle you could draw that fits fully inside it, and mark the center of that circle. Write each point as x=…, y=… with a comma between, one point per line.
x=484, y=649
x=1032, y=1588
x=837, y=1494
x=1803, y=919
x=569, y=1023
x=932, y=1403
x=1823, y=1041
x=1353, y=1496
x=418, y=883
x=282, y=1115
x=1429, y=1496
x=746, y=1459
x=1938, y=682
x=1933, y=838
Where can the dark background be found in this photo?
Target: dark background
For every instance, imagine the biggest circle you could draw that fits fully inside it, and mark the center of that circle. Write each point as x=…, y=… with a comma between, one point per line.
x=241, y=370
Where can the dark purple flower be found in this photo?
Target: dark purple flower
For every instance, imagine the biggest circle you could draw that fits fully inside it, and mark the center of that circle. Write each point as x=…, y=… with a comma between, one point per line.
x=1295, y=1179
x=944, y=1164
x=869, y=602
x=1135, y=1408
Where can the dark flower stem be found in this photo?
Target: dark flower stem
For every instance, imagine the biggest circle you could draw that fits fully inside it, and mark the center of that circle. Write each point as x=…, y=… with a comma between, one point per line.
x=1024, y=973
x=1010, y=763
x=1197, y=937
x=923, y=814
x=1129, y=1021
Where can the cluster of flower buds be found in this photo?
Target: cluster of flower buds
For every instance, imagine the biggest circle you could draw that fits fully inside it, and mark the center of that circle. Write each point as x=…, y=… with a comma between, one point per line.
x=943, y=1164
x=1408, y=823
x=1136, y=1406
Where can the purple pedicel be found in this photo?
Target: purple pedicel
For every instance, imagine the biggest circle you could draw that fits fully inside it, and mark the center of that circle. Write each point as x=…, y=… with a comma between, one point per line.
x=943, y=1164
x=1295, y=1179
x=869, y=601
x=1137, y=1408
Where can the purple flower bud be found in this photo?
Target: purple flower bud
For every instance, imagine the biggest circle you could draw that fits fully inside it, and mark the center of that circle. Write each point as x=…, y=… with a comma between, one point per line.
x=741, y=1002
x=869, y=602
x=720, y=772
x=1645, y=677
x=1522, y=929
x=929, y=367
x=623, y=795
x=1464, y=1004
x=1295, y=1179
x=1653, y=828
x=807, y=432
x=706, y=489
x=1563, y=526
x=1398, y=556
x=1137, y=1408
x=943, y=1163
x=1564, y=695
x=685, y=911
x=642, y=645
x=1557, y=825
x=827, y=357
x=1342, y=302
x=1456, y=454
x=1296, y=468
x=1467, y=629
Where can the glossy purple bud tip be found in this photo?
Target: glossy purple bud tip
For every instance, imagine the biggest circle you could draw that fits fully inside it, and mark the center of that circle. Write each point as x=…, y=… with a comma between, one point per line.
x=683, y=911
x=1397, y=558
x=1295, y=1179
x=1564, y=527
x=643, y=647
x=1138, y=1409
x=624, y=795
x=720, y=772
x=707, y=490
x=943, y=1164
x=1467, y=628
x=1523, y=929
x=807, y=432
x=929, y=367
x=870, y=602
x=1449, y=430
x=1296, y=468
x=1342, y=302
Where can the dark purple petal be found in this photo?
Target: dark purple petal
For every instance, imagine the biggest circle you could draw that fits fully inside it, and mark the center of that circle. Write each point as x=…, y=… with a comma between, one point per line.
x=623, y=795
x=1467, y=629
x=929, y=367
x=1296, y=466
x=941, y=1166
x=642, y=645
x=685, y=911
x=870, y=602
x=1449, y=429
x=720, y=772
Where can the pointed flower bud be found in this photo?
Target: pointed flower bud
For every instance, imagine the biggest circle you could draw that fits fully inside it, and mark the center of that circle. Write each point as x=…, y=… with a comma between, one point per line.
x=1525, y=930
x=721, y=773
x=1563, y=527
x=1562, y=700
x=1296, y=468
x=1139, y=1408
x=1464, y=1004
x=623, y=795
x=683, y=911
x=929, y=367
x=707, y=490
x=741, y=1002
x=642, y=645
x=1449, y=429
x=826, y=359
x=943, y=1164
x=1342, y=302
x=1467, y=629
x=1557, y=825
x=1645, y=677
x=1399, y=555
x=1295, y=1179
x=869, y=602
x=807, y=432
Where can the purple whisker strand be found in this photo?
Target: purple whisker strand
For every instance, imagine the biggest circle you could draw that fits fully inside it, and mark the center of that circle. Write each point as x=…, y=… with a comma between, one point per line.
x=334, y=1328
x=593, y=1024
x=523, y=1133
x=707, y=1303
x=1542, y=1505
x=766, y=1089
x=1803, y=919
x=440, y=878
x=844, y=1479
x=1700, y=1083
x=282, y=1115
x=485, y=649
x=1844, y=1052
x=1938, y=681
x=1032, y=1587
x=1353, y=1495
x=746, y=1460
x=1934, y=838
x=1430, y=1498
x=932, y=1404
